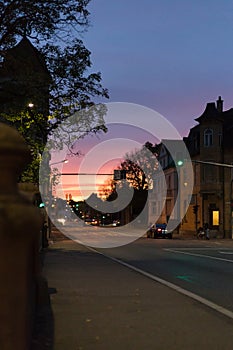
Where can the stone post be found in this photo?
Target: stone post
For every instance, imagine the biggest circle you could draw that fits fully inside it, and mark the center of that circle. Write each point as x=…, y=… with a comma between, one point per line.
x=19, y=253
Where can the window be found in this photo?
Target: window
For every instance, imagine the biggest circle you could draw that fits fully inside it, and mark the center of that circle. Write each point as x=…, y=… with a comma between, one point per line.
x=215, y=217
x=208, y=137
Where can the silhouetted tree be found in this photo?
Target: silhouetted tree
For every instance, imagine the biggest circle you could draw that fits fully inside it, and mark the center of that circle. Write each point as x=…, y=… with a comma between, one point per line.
x=140, y=165
x=53, y=27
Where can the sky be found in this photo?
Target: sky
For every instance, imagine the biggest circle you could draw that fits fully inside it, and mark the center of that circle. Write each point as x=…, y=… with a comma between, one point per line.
x=99, y=155
x=172, y=56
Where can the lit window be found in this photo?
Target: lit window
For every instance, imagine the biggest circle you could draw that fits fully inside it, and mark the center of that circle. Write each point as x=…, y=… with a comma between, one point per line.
x=215, y=217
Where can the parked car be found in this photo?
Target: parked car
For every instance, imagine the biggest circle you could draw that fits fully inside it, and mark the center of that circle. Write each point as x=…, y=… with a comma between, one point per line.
x=158, y=231
x=90, y=221
x=116, y=223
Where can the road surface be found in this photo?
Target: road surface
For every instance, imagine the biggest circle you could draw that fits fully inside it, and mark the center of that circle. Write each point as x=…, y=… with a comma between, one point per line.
x=204, y=268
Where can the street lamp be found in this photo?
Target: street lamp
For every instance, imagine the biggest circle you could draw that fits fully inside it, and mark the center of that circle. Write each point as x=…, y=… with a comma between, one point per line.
x=61, y=161
x=31, y=105
x=50, y=191
x=52, y=176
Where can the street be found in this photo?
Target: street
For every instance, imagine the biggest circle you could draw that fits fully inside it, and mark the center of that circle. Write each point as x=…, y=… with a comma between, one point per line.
x=201, y=267
x=151, y=294
x=204, y=268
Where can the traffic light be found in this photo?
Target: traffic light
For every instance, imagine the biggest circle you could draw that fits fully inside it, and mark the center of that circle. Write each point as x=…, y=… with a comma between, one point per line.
x=180, y=162
x=119, y=175
x=179, y=159
x=37, y=201
x=195, y=209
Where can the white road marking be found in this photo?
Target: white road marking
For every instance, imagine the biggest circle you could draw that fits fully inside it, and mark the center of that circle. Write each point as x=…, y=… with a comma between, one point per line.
x=199, y=255
x=173, y=286
x=194, y=248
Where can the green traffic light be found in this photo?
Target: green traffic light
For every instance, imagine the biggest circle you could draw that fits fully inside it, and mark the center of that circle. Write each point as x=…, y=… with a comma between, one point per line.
x=180, y=162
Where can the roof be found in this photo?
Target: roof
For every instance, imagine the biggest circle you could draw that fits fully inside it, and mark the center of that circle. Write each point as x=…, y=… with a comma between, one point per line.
x=23, y=56
x=209, y=113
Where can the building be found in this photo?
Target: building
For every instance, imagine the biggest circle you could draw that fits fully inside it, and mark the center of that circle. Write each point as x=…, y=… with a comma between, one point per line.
x=172, y=185
x=24, y=80
x=24, y=87
x=210, y=145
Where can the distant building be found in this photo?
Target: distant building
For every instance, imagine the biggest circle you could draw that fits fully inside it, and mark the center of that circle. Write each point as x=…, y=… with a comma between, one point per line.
x=169, y=198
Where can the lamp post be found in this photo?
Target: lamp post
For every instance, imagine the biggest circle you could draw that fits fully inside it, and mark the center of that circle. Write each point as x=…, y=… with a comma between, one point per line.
x=51, y=177
x=50, y=191
x=28, y=109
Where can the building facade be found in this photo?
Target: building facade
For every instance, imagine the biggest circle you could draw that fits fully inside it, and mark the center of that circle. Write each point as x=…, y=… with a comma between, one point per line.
x=210, y=146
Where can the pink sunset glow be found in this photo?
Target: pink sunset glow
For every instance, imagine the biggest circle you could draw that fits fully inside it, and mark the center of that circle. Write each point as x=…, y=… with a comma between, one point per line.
x=99, y=154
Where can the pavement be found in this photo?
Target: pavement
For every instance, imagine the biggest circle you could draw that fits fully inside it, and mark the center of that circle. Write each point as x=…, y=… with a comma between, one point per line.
x=97, y=304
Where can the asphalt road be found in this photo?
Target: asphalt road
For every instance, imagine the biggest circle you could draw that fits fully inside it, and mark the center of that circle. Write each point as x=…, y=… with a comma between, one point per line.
x=100, y=303
x=204, y=268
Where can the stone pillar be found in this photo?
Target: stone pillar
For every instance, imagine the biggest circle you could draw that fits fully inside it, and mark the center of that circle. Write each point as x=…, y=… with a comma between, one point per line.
x=19, y=253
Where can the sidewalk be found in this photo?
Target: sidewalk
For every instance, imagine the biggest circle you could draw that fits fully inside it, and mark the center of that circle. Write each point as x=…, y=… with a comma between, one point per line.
x=98, y=304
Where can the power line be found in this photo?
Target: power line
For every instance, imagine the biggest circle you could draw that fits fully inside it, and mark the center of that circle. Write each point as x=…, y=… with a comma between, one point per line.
x=87, y=174
x=213, y=163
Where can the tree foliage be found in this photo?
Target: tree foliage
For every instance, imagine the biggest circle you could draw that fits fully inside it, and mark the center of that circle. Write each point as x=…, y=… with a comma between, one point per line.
x=140, y=166
x=41, y=20
x=54, y=28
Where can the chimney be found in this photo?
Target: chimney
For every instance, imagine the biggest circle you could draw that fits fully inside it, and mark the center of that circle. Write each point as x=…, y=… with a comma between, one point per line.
x=220, y=104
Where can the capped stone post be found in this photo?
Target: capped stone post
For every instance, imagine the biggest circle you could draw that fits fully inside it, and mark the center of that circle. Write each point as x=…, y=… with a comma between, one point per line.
x=19, y=252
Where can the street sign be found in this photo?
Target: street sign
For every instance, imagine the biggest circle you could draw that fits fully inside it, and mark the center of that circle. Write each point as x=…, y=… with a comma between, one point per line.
x=119, y=175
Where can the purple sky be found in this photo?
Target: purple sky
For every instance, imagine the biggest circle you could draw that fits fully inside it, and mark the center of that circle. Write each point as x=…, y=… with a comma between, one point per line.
x=171, y=56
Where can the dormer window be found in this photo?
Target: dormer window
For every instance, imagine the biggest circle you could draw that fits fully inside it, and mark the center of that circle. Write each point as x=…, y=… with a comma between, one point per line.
x=208, y=137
